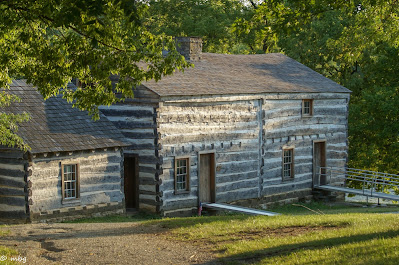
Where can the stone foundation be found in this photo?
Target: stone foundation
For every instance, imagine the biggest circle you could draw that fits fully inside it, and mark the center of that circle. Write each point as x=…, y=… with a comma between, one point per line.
x=186, y=212
x=278, y=199
x=328, y=196
x=77, y=212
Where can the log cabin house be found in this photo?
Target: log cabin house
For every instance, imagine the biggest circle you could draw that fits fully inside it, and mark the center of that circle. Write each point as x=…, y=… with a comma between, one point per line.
x=234, y=128
x=73, y=169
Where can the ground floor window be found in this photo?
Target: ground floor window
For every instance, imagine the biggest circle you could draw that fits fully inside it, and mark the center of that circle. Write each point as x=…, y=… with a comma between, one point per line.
x=288, y=164
x=182, y=175
x=70, y=181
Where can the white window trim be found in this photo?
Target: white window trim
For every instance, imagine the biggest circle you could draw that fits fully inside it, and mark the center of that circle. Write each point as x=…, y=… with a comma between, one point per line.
x=187, y=175
x=311, y=109
x=77, y=183
x=292, y=163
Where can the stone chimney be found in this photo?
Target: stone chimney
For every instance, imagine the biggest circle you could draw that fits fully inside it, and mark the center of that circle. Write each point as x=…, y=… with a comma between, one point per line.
x=189, y=47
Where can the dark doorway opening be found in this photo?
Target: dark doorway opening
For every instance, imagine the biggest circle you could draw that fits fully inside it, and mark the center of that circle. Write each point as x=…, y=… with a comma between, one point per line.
x=319, y=163
x=131, y=181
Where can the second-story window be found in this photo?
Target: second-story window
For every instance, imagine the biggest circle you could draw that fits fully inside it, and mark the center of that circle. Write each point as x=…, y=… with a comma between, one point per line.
x=307, y=107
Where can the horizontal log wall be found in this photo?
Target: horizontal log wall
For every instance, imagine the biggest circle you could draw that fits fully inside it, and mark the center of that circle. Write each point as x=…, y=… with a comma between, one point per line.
x=230, y=129
x=13, y=186
x=284, y=125
x=191, y=124
x=99, y=177
x=247, y=139
x=136, y=120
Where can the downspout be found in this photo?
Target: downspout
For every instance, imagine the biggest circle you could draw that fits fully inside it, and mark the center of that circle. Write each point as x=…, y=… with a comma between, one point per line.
x=260, y=143
x=28, y=184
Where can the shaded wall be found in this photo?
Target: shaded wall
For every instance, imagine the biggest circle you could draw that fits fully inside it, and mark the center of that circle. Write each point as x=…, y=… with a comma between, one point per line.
x=136, y=119
x=100, y=185
x=13, y=186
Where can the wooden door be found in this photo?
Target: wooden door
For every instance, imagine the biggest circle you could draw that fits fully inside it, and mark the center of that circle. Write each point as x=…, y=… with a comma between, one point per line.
x=206, y=188
x=319, y=160
x=131, y=181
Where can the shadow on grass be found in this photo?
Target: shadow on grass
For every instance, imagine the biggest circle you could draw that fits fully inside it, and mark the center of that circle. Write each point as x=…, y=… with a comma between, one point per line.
x=172, y=223
x=151, y=219
x=285, y=250
x=109, y=228
x=315, y=208
x=138, y=217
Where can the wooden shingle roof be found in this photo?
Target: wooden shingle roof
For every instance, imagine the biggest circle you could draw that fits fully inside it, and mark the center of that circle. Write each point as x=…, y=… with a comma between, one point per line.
x=219, y=74
x=55, y=126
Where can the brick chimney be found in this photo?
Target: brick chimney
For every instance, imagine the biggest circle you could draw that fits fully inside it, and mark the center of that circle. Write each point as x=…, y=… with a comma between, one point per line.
x=189, y=47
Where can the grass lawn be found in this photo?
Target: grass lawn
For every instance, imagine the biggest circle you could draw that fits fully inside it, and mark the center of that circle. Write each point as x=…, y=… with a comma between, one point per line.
x=5, y=252
x=303, y=235
x=295, y=239
x=333, y=208
x=312, y=233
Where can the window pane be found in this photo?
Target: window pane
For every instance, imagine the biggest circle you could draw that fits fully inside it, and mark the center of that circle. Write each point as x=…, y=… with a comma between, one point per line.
x=287, y=163
x=70, y=178
x=181, y=174
x=307, y=107
x=67, y=169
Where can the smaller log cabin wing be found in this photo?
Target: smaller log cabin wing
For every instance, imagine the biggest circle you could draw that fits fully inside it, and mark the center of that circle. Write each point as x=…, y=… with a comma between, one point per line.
x=234, y=128
x=73, y=169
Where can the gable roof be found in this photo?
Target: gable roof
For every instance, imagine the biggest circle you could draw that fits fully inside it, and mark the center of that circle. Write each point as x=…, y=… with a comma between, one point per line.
x=55, y=126
x=218, y=74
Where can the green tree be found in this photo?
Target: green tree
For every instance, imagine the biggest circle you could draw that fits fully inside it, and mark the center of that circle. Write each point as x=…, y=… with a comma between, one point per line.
x=211, y=20
x=49, y=42
x=355, y=43
x=255, y=28
x=9, y=123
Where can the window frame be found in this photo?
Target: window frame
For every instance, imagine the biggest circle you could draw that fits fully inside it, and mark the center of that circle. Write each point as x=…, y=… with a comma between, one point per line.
x=292, y=163
x=77, y=182
x=310, y=107
x=187, y=175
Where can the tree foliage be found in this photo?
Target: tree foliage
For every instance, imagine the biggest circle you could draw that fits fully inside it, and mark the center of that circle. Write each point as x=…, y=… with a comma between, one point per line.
x=9, y=123
x=356, y=44
x=49, y=42
x=209, y=19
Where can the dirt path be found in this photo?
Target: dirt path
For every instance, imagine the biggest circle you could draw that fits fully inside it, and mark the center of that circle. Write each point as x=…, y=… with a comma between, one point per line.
x=101, y=243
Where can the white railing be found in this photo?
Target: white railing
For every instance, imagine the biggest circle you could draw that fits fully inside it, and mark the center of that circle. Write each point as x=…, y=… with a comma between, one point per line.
x=368, y=181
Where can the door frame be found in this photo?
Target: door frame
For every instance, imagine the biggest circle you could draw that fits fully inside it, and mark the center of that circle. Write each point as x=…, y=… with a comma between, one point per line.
x=324, y=151
x=136, y=176
x=212, y=176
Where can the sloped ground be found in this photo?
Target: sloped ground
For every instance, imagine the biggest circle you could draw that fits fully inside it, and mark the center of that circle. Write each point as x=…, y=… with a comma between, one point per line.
x=101, y=243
